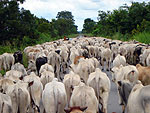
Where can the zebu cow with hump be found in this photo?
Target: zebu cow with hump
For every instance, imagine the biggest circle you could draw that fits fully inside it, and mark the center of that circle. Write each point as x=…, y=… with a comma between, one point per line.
x=84, y=68
x=84, y=96
x=128, y=73
x=99, y=81
x=5, y=103
x=19, y=67
x=54, y=59
x=19, y=94
x=46, y=77
x=13, y=75
x=144, y=56
x=119, y=60
x=71, y=80
x=139, y=99
x=106, y=56
x=54, y=97
x=8, y=61
x=35, y=90
x=46, y=67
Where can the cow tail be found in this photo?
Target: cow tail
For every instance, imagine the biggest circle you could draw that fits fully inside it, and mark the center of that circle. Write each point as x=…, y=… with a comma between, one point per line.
x=56, y=98
x=98, y=89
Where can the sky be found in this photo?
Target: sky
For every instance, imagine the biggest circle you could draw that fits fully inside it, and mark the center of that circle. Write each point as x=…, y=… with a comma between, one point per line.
x=81, y=9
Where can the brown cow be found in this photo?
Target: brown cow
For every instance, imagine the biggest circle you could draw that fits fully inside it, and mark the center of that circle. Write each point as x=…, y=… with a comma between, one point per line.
x=144, y=74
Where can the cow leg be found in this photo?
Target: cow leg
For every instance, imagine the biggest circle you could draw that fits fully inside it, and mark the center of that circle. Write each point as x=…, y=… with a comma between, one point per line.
x=102, y=63
x=108, y=65
x=123, y=109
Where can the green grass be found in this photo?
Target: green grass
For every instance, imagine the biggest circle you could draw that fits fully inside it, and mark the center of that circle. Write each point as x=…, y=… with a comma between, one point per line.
x=122, y=37
x=72, y=35
x=143, y=37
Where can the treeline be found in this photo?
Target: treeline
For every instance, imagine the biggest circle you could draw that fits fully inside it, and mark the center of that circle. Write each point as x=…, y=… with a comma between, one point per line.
x=20, y=28
x=124, y=23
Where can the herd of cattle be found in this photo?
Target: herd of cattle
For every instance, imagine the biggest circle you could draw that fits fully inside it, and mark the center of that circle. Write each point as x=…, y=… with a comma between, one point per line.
x=69, y=76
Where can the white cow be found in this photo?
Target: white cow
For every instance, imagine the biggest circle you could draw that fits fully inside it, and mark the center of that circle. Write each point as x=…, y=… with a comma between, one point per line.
x=54, y=97
x=19, y=67
x=31, y=67
x=35, y=90
x=5, y=103
x=119, y=60
x=54, y=59
x=46, y=77
x=20, y=96
x=139, y=99
x=8, y=61
x=99, y=81
x=1, y=62
x=84, y=96
x=46, y=67
x=14, y=75
x=106, y=55
x=124, y=73
x=71, y=80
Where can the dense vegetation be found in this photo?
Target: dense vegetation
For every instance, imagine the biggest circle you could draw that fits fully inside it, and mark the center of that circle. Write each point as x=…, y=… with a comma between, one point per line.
x=19, y=28
x=128, y=22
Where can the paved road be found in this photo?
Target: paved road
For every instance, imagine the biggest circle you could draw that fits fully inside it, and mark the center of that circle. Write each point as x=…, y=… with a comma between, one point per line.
x=113, y=102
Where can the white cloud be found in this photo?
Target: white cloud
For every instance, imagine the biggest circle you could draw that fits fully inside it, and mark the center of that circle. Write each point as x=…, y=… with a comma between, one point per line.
x=81, y=9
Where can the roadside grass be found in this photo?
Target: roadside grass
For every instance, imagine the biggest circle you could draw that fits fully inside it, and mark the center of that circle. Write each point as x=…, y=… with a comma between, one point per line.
x=143, y=37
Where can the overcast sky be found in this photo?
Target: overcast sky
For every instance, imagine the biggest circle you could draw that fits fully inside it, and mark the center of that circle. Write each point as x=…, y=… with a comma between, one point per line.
x=81, y=9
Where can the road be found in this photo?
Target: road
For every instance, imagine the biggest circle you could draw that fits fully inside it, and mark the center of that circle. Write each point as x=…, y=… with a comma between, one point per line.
x=113, y=102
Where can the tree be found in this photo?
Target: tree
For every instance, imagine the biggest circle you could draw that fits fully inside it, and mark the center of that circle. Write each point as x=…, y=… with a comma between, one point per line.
x=65, y=23
x=15, y=23
x=65, y=15
x=88, y=25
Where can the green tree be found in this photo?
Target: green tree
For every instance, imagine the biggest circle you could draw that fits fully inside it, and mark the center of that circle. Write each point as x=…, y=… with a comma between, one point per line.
x=16, y=23
x=67, y=15
x=65, y=23
x=88, y=25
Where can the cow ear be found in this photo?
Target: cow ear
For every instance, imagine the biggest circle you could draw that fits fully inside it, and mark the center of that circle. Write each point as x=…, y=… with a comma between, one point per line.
x=30, y=83
x=119, y=83
x=67, y=110
x=83, y=108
